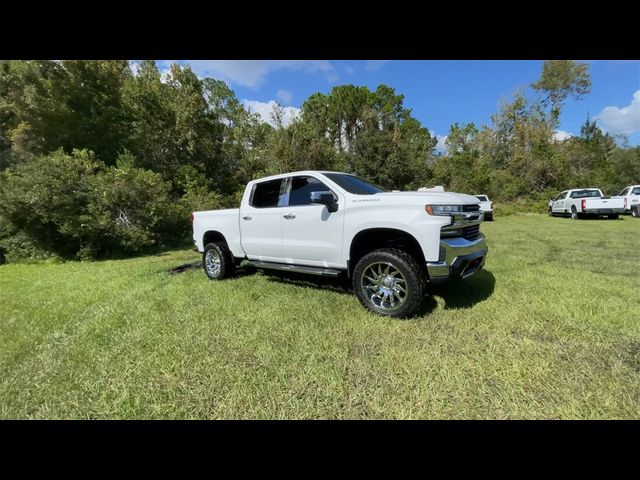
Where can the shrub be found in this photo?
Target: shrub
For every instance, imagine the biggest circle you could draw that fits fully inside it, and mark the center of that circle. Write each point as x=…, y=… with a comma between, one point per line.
x=45, y=198
x=74, y=206
x=129, y=210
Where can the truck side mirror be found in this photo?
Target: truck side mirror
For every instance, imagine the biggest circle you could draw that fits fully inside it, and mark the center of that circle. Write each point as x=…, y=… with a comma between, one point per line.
x=324, y=198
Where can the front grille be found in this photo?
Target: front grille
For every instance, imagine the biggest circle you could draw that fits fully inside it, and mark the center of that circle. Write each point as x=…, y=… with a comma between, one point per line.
x=472, y=232
x=470, y=208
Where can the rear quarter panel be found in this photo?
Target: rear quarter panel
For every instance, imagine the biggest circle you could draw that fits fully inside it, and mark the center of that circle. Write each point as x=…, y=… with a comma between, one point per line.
x=226, y=222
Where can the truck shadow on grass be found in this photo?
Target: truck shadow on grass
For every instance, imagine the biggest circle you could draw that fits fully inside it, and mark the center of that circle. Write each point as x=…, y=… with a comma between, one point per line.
x=339, y=285
x=185, y=267
x=456, y=294
x=459, y=294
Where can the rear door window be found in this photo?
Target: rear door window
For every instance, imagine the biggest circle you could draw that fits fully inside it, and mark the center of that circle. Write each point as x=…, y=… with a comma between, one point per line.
x=267, y=194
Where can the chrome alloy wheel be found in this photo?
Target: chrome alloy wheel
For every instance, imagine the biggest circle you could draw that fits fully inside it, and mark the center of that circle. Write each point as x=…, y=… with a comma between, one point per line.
x=384, y=285
x=212, y=262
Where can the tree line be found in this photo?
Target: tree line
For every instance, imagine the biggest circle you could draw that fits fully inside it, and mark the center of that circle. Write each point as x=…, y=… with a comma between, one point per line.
x=97, y=160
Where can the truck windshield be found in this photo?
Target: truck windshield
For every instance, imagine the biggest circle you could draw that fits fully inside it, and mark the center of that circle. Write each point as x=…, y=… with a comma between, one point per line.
x=586, y=194
x=353, y=184
x=482, y=198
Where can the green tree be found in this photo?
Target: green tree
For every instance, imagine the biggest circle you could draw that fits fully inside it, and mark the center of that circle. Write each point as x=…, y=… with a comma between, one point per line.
x=69, y=104
x=561, y=79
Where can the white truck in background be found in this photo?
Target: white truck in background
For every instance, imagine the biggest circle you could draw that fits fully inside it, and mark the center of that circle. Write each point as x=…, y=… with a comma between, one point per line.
x=390, y=244
x=583, y=202
x=630, y=196
x=486, y=207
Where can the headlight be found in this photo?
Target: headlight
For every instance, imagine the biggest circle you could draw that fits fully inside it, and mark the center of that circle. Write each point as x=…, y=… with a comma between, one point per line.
x=442, y=209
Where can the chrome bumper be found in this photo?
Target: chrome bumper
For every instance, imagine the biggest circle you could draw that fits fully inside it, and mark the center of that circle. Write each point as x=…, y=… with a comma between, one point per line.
x=459, y=258
x=602, y=211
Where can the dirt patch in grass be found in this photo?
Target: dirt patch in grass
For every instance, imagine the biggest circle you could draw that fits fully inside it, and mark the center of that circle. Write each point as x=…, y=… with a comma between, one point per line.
x=184, y=267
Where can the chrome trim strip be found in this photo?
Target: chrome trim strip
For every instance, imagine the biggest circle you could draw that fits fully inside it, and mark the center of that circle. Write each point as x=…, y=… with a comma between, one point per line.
x=287, y=267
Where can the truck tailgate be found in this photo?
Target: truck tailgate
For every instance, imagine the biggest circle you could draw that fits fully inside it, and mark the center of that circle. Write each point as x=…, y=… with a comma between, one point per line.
x=604, y=203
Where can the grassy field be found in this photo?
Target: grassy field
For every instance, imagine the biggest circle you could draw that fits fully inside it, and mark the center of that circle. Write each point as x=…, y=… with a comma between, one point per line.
x=550, y=329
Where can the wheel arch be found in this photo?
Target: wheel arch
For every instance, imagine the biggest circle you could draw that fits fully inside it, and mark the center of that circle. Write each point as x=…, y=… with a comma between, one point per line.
x=213, y=236
x=370, y=239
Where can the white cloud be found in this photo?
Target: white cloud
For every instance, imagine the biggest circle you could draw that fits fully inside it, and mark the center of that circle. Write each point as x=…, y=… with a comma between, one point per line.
x=625, y=120
x=134, y=66
x=561, y=135
x=332, y=77
x=349, y=69
x=441, y=146
x=265, y=111
x=372, y=65
x=165, y=74
x=251, y=73
x=284, y=97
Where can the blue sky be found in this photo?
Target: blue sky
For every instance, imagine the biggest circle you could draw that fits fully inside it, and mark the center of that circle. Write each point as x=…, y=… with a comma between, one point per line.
x=439, y=92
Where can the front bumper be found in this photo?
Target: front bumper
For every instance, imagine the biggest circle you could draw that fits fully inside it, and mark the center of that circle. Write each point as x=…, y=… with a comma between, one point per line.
x=459, y=258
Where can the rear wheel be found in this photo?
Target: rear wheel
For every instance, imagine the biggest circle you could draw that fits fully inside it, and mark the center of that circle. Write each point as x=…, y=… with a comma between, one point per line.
x=389, y=282
x=574, y=214
x=635, y=212
x=218, y=261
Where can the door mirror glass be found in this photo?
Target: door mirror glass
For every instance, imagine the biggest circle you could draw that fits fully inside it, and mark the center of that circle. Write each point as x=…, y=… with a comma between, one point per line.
x=324, y=198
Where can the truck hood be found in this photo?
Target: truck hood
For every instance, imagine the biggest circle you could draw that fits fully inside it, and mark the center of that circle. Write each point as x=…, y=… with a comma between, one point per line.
x=431, y=197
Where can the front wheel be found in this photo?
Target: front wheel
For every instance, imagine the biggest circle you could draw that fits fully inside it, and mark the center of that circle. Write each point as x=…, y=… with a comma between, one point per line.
x=218, y=261
x=389, y=282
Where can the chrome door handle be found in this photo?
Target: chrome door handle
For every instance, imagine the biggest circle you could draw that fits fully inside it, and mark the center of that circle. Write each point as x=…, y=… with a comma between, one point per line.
x=246, y=217
x=289, y=216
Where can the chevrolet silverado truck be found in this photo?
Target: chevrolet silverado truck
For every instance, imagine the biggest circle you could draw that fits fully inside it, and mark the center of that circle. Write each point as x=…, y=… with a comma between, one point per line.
x=390, y=245
x=582, y=202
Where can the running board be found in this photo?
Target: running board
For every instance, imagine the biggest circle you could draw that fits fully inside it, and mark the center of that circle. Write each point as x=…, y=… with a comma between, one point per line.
x=325, y=272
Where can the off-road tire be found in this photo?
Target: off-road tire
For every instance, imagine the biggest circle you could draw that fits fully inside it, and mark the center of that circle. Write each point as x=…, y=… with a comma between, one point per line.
x=410, y=269
x=227, y=262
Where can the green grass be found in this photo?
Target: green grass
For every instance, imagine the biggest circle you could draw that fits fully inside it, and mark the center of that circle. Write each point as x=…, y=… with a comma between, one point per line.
x=550, y=329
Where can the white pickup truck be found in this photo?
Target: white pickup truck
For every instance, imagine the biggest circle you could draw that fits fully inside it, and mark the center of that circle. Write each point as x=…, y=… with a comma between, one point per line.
x=630, y=196
x=486, y=207
x=390, y=244
x=582, y=202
